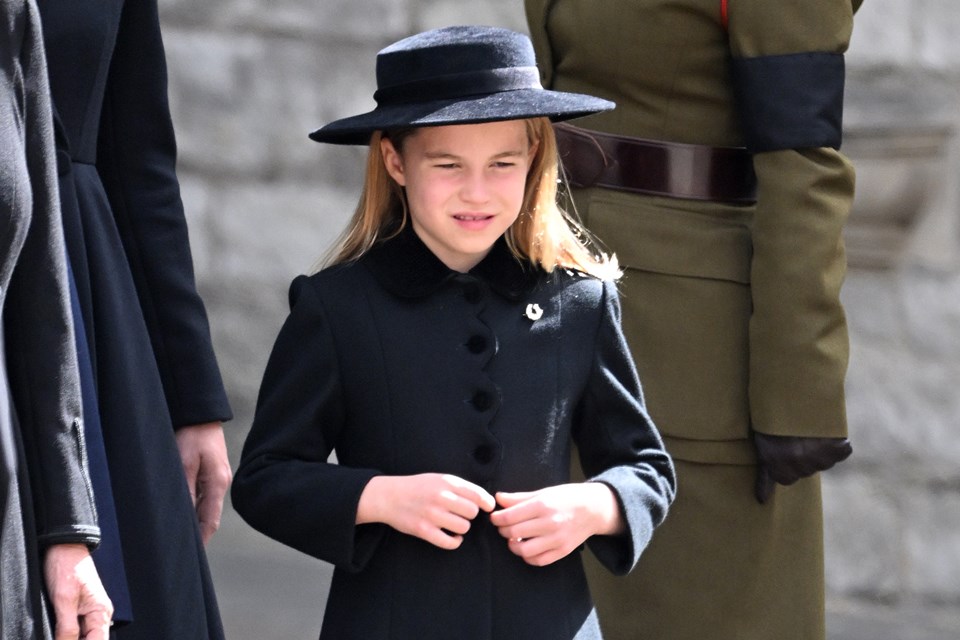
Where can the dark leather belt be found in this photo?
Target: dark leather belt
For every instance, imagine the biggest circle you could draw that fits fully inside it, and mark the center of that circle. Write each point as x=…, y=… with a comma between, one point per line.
x=674, y=170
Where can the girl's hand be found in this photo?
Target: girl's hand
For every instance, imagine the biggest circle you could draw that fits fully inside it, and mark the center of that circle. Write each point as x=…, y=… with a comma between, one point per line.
x=435, y=507
x=546, y=525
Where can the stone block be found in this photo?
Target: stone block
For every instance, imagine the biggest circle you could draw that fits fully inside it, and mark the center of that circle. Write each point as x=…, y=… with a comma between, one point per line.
x=905, y=362
x=899, y=96
x=935, y=244
x=877, y=404
x=335, y=20
x=194, y=191
x=188, y=12
x=901, y=178
x=932, y=544
x=901, y=407
x=265, y=234
x=872, y=304
x=882, y=34
x=871, y=620
x=938, y=23
x=931, y=311
x=244, y=105
x=243, y=335
x=431, y=14
x=862, y=536
x=210, y=75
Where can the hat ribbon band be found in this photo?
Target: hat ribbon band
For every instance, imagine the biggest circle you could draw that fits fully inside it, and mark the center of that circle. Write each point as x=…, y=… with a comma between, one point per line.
x=460, y=85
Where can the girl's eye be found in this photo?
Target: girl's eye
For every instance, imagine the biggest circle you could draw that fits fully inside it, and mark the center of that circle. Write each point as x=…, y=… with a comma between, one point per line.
x=504, y=165
x=448, y=165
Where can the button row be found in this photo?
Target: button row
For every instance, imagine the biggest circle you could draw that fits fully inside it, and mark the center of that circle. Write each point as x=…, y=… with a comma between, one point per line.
x=481, y=400
x=472, y=292
x=483, y=454
x=477, y=344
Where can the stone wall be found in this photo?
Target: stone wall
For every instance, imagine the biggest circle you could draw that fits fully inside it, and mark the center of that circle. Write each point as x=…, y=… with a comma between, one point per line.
x=893, y=510
x=250, y=79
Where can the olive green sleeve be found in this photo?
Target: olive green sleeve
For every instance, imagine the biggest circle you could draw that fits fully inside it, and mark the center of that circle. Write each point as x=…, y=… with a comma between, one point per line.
x=798, y=335
x=798, y=332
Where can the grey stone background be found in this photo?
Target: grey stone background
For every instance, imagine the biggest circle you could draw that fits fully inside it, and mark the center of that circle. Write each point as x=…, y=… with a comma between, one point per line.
x=249, y=79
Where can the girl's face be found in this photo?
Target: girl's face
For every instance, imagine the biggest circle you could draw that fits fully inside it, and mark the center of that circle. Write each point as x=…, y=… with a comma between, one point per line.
x=464, y=185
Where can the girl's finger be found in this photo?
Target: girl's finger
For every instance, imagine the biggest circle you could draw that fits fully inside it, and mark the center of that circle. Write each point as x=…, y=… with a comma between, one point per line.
x=507, y=499
x=475, y=494
x=537, y=551
x=439, y=538
x=453, y=523
x=522, y=511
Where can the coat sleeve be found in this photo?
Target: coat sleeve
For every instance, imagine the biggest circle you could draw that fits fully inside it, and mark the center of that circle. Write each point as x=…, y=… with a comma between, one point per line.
x=285, y=487
x=40, y=343
x=620, y=446
x=788, y=72
x=136, y=158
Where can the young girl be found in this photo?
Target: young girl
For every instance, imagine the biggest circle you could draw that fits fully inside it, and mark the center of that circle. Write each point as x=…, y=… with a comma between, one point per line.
x=461, y=340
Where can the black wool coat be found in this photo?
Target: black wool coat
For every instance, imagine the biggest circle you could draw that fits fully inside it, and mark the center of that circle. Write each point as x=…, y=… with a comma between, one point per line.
x=403, y=366
x=146, y=330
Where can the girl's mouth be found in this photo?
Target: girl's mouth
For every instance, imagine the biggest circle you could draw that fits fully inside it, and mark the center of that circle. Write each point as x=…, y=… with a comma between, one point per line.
x=473, y=221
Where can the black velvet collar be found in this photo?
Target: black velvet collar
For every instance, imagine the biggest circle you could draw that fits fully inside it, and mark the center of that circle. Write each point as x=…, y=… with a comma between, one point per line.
x=405, y=266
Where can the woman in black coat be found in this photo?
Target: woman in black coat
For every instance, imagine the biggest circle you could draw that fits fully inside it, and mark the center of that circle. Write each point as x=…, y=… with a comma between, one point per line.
x=46, y=507
x=156, y=379
x=463, y=340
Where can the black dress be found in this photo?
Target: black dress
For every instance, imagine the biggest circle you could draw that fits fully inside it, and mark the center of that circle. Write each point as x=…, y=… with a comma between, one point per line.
x=145, y=326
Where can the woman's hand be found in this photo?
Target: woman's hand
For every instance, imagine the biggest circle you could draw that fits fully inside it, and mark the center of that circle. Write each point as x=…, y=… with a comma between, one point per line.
x=546, y=525
x=203, y=452
x=80, y=604
x=435, y=507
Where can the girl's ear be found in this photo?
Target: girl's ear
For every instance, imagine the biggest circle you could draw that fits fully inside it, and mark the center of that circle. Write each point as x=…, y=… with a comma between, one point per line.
x=392, y=161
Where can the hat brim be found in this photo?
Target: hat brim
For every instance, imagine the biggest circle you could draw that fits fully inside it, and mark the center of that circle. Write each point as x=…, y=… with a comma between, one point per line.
x=507, y=105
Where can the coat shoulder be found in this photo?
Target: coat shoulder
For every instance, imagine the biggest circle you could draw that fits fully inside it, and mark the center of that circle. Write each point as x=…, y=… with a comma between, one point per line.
x=582, y=288
x=329, y=283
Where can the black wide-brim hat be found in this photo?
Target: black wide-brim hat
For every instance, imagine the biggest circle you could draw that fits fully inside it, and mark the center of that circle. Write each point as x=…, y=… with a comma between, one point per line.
x=458, y=75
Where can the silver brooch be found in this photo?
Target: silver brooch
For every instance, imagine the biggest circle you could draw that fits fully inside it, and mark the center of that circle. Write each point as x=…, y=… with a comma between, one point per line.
x=533, y=312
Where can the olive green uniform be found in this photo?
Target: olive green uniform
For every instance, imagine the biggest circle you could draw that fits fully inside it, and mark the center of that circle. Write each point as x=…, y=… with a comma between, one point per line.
x=732, y=311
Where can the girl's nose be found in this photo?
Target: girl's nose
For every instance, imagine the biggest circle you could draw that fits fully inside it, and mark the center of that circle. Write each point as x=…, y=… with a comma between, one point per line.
x=475, y=187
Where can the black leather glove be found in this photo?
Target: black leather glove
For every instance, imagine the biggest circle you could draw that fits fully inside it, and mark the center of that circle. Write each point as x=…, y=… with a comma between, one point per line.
x=786, y=459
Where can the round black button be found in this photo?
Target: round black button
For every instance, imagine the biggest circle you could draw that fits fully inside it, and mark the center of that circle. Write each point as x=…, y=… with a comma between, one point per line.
x=483, y=454
x=477, y=344
x=472, y=292
x=481, y=401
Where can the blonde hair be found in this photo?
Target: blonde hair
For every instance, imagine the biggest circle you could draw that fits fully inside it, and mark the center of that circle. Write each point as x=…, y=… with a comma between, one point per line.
x=543, y=234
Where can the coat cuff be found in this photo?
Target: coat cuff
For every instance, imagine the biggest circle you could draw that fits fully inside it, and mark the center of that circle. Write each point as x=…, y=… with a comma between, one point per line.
x=74, y=534
x=641, y=510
